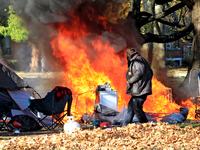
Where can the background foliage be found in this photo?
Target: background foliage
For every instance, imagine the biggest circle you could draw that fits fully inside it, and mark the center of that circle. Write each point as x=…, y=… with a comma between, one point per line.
x=14, y=27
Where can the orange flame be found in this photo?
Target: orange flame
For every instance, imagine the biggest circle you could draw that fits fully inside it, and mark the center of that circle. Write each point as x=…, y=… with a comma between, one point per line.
x=161, y=99
x=190, y=105
x=91, y=61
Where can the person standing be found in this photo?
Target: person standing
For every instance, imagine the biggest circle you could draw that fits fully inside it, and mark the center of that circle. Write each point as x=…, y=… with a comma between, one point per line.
x=139, y=85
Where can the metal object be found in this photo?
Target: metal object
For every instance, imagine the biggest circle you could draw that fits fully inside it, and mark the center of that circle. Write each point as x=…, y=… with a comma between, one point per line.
x=71, y=124
x=107, y=98
x=168, y=95
x=197, y=111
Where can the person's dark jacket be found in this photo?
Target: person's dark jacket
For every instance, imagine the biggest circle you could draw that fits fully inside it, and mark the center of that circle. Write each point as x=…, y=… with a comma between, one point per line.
x=139, y=76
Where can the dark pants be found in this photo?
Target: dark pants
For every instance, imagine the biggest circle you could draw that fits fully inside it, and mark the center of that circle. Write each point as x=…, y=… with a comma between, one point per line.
x=135, y=107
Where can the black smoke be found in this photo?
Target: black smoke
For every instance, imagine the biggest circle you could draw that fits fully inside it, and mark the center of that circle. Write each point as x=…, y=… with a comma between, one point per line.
x=42, y=18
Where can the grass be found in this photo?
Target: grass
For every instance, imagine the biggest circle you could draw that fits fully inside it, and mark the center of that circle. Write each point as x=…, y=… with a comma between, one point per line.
x=194, y=125
x=177, y=71
x=173, y=82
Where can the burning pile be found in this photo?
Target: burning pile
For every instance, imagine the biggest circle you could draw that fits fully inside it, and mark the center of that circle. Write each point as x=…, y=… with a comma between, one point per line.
x=91, y=60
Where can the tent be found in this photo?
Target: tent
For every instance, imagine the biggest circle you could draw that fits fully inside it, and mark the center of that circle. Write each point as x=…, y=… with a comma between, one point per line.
x=17, y=91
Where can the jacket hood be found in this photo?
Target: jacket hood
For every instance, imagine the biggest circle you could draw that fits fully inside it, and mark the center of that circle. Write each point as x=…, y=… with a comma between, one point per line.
x=134, y=55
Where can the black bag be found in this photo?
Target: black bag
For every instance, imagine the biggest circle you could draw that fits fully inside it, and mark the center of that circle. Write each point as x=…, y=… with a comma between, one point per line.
x=27, y=123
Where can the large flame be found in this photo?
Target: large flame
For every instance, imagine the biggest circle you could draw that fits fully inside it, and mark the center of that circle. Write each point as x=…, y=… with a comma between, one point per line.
x=90, y=60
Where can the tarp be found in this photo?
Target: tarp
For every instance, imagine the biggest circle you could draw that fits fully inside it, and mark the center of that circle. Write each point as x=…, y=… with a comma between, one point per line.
x=21, y=98
x=118, y=118
x=106, y=111
x=176, y=117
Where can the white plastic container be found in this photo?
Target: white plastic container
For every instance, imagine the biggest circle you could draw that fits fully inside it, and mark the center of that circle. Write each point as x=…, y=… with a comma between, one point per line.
x=71, y=124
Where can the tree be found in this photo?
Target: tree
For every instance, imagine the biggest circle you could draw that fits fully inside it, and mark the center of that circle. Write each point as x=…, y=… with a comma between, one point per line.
x=194, y=7
x=181, y=29
x=14, y=27
x=157, y=23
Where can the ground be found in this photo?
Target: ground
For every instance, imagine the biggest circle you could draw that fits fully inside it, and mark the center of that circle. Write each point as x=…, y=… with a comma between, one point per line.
x=175, y=78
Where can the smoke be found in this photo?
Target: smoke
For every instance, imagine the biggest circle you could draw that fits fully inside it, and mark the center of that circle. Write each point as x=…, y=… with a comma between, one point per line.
x=40, y=16
x=22, y=54
x=42, y=19
x=45, y=11
x=37, y=16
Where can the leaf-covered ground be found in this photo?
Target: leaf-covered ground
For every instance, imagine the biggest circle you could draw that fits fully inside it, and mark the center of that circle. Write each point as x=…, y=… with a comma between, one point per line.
x=133, y=136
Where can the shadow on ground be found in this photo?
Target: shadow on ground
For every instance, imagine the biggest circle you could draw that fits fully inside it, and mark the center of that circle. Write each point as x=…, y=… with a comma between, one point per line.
x=6, y=135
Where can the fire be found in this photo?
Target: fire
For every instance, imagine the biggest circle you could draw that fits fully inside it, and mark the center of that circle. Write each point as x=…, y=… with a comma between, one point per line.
x=161, y=99
x=190, y=105
x=90, y=60
x=83, y=76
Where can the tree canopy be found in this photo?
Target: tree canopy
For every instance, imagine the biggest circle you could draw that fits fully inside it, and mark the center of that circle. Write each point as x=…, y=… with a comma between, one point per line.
x=14, y=26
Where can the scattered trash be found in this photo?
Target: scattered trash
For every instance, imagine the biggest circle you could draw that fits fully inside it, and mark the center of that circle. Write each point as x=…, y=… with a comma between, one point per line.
x=96, y=123
x=24, y=123
x=17, y=124
x=105, y=87
x=16, y=131
x=106, y=125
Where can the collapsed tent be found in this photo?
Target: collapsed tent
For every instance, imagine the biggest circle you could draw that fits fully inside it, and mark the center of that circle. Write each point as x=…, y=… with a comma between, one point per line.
x=13, y=89
x=106, y=114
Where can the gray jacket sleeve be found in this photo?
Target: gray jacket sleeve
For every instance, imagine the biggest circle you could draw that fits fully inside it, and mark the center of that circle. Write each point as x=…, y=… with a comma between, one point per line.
x=138, y=70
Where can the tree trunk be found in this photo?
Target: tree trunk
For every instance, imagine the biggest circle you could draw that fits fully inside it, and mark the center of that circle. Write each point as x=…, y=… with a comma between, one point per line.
x=189, y=87
x=34, y=65
x=155, y=52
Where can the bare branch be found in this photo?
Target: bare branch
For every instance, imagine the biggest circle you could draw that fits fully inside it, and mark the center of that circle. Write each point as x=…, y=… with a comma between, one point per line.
x=174, y=13
x=189, y=3
x=143, y=21
x=167, y=38
x=167, y=12
x=172, y=24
